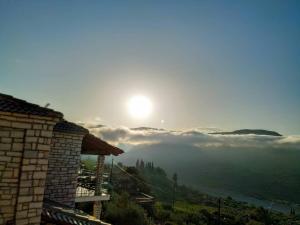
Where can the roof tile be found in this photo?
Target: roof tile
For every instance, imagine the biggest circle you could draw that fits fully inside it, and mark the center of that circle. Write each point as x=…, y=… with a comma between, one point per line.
x=92, y=145
x=68, y=127
x=10, y=104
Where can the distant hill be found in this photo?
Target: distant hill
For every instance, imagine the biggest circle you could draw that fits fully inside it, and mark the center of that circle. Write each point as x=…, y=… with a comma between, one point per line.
x=250, y=131
x=146, y=128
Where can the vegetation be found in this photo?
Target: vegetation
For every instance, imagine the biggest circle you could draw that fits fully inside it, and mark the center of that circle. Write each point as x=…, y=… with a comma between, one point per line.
x=265, y=173
x=190, y=207
x=121, y=211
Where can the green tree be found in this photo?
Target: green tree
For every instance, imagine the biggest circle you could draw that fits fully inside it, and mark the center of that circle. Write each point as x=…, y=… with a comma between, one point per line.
x=174, y=188
x=122, y=211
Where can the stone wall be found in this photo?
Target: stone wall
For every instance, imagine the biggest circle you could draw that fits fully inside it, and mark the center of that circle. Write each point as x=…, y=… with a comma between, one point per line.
x=64, y=163
x=97, y=207
x=24, y=148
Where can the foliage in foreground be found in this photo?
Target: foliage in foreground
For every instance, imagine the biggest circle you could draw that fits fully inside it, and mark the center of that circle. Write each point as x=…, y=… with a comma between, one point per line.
x=189, y=214
x=122, y=211
x=190, y=208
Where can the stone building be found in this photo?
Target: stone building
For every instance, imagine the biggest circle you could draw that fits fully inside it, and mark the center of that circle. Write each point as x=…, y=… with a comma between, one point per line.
x=64, y=162
x=39, y=160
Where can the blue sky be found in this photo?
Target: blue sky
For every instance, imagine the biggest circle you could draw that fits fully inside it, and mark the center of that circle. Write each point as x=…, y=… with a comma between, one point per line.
x=226, y=64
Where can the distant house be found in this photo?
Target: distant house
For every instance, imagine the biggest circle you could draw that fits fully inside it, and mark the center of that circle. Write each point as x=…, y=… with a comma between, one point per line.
x=39, y=163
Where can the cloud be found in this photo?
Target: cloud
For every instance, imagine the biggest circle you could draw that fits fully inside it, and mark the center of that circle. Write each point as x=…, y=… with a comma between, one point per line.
x=129, y=138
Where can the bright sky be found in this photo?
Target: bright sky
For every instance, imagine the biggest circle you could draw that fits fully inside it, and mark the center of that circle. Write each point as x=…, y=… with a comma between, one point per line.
x=226, y=64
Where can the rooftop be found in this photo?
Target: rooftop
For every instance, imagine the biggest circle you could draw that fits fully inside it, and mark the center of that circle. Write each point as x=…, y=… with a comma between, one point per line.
x=92, y=145
x=10, y=104
x=68, y=127
x=60, y=214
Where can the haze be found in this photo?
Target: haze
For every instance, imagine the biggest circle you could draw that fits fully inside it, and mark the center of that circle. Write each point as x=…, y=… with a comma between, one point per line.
x=225, y=64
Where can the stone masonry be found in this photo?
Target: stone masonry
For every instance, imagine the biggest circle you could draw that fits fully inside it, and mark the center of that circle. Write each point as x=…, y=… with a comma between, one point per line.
x=40, y=159
x=64, y=163
x=25, y=141
x=97, y=207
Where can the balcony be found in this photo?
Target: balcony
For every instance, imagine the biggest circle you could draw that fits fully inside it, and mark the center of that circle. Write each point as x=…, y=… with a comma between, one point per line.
x=86, y=195
x=85, y=191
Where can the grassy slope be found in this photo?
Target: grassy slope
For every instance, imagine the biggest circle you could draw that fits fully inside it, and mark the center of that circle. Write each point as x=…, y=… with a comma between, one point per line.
x=191, y=202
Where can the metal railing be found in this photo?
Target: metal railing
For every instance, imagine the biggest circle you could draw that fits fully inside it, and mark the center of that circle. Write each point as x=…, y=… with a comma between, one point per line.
x=86, y=184
x=57, y=213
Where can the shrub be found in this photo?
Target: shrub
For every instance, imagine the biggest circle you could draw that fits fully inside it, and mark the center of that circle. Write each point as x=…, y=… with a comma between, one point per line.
x=121, y=211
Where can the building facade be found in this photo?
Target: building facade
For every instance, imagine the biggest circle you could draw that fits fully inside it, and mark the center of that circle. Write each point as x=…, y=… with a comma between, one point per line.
x=64, y=163
x=39, y=159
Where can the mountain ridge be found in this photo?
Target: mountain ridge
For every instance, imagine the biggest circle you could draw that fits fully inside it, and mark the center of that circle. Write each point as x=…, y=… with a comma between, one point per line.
x=250, y=131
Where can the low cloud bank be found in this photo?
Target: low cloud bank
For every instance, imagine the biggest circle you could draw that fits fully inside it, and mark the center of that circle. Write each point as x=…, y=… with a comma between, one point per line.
x=129, y=138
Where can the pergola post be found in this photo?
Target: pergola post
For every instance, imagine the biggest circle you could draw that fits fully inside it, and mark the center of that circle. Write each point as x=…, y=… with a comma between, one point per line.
x=99, y=178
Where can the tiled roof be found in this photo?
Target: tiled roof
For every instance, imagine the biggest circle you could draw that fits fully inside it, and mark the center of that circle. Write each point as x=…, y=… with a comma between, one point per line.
x=56, y=213
x=92, y=145
x=68, y=127
x=10, y=104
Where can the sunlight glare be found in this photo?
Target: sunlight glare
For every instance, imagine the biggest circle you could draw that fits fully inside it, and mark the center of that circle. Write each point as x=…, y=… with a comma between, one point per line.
x=139, y=107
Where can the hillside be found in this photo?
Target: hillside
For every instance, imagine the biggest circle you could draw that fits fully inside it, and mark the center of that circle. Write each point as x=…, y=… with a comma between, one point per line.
x=190, y=206
x=202, y=208
x=263, y=173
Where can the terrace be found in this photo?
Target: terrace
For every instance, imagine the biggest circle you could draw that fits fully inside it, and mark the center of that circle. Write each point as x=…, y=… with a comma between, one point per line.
x=86, y=188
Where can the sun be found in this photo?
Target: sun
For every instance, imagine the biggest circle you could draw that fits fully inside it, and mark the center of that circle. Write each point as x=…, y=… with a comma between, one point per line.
x=139, y=107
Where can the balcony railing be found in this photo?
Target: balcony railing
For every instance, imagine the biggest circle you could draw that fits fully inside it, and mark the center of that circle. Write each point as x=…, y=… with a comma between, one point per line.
x=85, y=191
x=57, y=213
